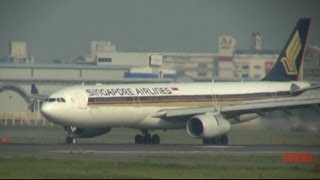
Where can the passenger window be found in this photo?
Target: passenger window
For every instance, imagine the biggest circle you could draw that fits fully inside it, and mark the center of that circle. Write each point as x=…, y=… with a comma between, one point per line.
x=58, y=99
x=63, y=100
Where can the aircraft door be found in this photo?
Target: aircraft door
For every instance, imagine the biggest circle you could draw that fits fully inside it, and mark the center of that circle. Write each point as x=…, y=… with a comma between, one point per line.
x=136, y=101
x=82, y=100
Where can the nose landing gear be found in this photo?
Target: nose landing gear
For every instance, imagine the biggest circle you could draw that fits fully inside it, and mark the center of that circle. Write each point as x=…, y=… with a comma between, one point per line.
x=70, y=139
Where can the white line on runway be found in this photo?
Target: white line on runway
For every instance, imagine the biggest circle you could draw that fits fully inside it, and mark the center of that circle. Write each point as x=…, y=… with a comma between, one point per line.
x=126, y=152
x=165, y=152
x=220, y=147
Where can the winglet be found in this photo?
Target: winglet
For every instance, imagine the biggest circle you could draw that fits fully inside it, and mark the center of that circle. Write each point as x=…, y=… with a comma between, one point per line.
x=289, y=63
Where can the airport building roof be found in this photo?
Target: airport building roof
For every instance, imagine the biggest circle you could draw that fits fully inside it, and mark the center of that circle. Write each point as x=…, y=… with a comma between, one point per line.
x=62, y=66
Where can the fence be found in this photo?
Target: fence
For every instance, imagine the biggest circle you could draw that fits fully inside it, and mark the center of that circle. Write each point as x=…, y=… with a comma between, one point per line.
x=23, y=119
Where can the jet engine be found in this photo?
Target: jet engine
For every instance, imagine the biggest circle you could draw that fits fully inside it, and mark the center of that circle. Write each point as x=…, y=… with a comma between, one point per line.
x=88, y=132
x=208, y=126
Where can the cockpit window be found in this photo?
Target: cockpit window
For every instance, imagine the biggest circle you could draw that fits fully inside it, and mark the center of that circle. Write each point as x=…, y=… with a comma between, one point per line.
x=51, y=99
x=60, y=100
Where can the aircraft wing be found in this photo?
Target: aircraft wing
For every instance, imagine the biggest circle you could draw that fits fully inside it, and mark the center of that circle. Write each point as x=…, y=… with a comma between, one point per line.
x=267, y=105
x=245, y=107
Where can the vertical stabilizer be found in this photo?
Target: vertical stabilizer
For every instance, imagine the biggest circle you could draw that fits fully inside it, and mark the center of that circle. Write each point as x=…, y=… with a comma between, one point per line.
x=289, y=63
x=34, y=89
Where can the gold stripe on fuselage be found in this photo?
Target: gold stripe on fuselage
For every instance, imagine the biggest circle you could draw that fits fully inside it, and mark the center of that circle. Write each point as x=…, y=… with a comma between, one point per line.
x=174, y=103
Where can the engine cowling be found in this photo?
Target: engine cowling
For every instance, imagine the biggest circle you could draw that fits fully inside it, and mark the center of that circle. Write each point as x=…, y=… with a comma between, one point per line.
x=208, y=126
x=89, y=132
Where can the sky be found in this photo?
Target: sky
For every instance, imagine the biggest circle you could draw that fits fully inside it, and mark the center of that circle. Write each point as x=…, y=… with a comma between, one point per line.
x=63, y=29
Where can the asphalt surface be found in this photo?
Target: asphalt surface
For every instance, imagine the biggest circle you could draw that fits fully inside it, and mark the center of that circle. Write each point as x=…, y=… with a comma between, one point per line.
x=133, y=149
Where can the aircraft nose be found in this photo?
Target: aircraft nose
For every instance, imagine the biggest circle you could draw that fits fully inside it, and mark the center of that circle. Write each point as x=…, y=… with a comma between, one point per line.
x=50, y=111
x=54, y=112
x=46, y=110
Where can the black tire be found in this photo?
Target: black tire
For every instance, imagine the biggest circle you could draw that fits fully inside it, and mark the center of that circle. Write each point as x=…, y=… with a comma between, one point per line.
x=215, y=141
x=69, y=140
x=138, y=139
x=206, y=141
x=224, y=140
x=155, y=139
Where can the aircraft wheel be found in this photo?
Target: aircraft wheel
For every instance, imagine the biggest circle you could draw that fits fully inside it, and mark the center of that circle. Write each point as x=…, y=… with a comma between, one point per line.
x=146, y=138
x=69, y=140
x=74, y=141
x=224, y=140
x=206, y=141
x=215, y=140
x=155, y=139
x=138, y=139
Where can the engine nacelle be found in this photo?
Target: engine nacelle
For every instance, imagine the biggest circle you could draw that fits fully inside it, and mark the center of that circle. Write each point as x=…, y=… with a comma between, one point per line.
x=208, y=126
x=246, y=117
x=89, y=132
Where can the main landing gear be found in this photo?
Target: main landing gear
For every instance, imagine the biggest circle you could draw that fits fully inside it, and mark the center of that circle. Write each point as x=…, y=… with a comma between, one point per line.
x=146, y=138
x=220, y=140
x=70, y=139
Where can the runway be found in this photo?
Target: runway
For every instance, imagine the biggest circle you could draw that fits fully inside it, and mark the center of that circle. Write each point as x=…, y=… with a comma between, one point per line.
x=176, y=146
x=133, y=149
x=262, y=156
x=170, y=157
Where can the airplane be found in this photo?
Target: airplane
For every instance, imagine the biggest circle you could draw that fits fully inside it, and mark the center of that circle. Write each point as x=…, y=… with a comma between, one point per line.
x=206, y=110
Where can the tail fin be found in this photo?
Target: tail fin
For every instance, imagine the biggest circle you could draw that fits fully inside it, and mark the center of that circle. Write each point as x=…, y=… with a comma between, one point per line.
x=288, y=64
x=34, y=89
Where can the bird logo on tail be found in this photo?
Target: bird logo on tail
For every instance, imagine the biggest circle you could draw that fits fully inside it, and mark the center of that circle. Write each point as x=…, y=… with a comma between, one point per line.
x=289, y=61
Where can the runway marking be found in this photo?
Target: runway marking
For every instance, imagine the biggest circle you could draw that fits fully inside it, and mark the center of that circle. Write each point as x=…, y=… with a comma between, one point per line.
x=125, y=152
x=210, y=149
x=220, y=147
x=167, y=152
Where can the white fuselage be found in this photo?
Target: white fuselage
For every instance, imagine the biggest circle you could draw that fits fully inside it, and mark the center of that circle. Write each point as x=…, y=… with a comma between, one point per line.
x=131, y=105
